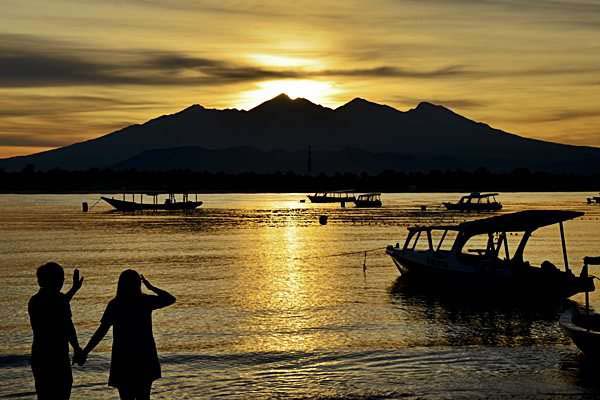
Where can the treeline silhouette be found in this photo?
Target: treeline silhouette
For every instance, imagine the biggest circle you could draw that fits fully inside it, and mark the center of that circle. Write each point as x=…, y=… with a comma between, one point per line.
x=29, y=180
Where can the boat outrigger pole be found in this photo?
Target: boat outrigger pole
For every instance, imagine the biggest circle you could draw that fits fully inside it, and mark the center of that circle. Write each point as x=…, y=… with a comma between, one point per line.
x=564, y=246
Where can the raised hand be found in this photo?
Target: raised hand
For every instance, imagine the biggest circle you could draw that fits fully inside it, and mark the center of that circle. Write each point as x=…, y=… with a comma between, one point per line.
x=146, y=283
x=77, y=281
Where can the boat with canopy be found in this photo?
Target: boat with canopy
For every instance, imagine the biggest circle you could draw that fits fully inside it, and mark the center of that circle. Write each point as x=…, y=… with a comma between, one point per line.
x=426, y=255
x=368, y=200
x=475, y=202
x=583, y=326
x=337, y=196
x=171, y=203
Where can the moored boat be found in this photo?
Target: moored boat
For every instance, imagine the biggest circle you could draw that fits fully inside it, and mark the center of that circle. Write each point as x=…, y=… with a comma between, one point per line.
x=482, y=268
x=593, y=200
x=475, y=202
x=368, y=200
x=338, y=196
x=171, y=203
x=583, y=326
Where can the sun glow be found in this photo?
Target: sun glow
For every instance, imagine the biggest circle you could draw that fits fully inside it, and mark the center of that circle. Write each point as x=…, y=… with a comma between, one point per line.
x=318, y=92
x=283, y=61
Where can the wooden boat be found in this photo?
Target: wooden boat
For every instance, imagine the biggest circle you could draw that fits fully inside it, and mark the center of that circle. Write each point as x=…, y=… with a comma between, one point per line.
x=476, y=202
x=583, y=326
x=338, y=196
x=170, y=204
x=483, y=269
x=368, y=200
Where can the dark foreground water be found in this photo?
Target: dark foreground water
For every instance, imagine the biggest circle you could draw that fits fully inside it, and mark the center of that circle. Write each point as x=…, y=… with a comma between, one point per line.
x=266, y=310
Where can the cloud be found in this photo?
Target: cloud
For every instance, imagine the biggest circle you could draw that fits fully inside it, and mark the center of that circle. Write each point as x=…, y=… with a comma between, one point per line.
x=37, y=63
x=566, y=115
x=396, y=72
x=447, y=102
x=19, y=105
x=33, y=140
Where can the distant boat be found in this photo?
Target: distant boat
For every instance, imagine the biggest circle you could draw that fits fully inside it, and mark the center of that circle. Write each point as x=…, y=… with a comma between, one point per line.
x=476, y=202
x=170, y=204
x=338, y=196
x=583, y=326
x=368, y=200
x=593, y=200
x=483, y=269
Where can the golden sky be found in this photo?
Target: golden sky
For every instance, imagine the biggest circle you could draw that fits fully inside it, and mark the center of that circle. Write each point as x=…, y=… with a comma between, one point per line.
x=74, y=70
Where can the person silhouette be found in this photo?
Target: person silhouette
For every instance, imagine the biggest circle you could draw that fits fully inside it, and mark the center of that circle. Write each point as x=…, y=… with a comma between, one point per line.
x=134, y=361
x=53, y=330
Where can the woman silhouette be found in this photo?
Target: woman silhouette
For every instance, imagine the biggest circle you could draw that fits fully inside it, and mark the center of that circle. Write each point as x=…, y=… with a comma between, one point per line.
x=134, y=362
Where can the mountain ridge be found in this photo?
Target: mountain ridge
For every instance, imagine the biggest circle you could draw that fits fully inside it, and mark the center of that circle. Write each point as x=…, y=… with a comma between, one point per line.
x=428, y=131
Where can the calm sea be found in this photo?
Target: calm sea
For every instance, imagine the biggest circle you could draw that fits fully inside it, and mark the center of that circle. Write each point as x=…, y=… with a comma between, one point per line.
x=266, y=310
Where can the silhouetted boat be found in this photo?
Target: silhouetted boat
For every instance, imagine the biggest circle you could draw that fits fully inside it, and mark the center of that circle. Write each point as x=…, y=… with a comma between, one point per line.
x=593, y=200
x=368, y=200
x=483, y=269
x=338, y=196
x=583, y=326
x=476, y=202
x=170, y=204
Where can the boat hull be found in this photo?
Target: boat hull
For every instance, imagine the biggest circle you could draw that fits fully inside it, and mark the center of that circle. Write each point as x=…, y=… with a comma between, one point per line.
x=587, y=339
x=473, y=207
x=128, y=206
x=368, y=204
x=430, y=268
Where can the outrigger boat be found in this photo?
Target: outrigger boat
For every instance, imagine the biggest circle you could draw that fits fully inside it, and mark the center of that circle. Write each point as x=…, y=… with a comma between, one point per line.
x=583, y=327
x=338, y=196
x=368, y=200
x=170, y=204
x=476, y=202
x=483, y=269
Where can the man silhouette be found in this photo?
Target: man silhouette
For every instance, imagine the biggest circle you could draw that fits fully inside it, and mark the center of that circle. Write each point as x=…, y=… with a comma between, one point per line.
x=53, y=330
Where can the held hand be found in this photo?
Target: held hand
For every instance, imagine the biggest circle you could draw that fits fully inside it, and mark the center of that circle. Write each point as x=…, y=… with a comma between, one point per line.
x=79, y=357
x=77, y=281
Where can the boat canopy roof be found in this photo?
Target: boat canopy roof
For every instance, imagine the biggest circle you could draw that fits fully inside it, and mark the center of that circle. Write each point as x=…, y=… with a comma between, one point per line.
x=337, y=191
x=522, y=221
x=477, y=195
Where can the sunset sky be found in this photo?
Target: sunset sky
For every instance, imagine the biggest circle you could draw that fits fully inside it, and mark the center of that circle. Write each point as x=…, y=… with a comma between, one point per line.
x=73, y=70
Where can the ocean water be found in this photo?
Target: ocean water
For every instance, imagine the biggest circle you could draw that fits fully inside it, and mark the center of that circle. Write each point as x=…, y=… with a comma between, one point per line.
x=270, y=306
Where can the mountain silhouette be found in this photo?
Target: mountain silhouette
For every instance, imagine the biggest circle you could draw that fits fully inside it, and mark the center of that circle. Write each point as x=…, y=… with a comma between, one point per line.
x=357, y=136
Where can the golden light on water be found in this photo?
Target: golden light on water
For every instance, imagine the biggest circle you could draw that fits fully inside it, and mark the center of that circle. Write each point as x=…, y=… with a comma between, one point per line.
x=317, y=91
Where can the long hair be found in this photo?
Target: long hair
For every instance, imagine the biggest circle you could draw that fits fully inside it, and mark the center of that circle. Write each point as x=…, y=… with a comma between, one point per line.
x=129, y=286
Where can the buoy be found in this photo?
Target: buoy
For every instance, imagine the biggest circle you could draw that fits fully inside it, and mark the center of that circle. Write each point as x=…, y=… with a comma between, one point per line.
x=423, y=208
x=323, y=219
x=302, y=201
x=84, y=206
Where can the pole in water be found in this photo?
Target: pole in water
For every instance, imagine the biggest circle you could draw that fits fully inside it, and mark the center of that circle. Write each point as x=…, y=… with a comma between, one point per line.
x=365, y=265
x=84, y=206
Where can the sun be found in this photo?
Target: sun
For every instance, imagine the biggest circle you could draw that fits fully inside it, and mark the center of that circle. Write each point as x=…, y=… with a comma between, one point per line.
x=319, y=92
